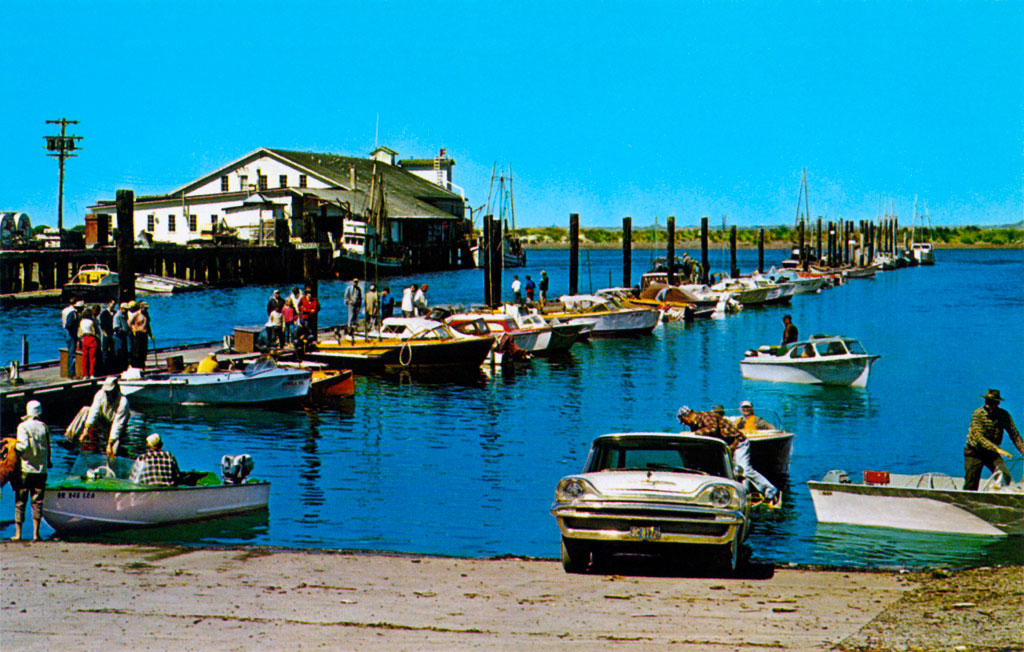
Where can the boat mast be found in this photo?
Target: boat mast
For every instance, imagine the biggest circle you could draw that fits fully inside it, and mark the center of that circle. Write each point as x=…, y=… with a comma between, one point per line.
x=511, y=200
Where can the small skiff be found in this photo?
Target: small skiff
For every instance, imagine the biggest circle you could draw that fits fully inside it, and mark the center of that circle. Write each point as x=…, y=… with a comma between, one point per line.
x=928, y=502
x=260, y=382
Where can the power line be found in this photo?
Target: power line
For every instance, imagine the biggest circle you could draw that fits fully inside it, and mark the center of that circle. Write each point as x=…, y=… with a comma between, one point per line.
x=61, y=147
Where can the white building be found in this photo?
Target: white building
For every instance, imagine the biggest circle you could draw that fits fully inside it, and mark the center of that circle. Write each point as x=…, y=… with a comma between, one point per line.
x=248, y=195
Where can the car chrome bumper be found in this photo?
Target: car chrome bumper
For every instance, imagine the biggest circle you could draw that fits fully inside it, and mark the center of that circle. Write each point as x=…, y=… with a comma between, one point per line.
x=677, y=524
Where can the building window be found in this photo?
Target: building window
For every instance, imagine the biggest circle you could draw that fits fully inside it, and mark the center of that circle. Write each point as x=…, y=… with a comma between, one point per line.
x=262, y=179
x=151, y=223
x=223, y=184
x=170, y=224
x=243, y=182
x=284, y=180
x=302, y=181
x=192, y=223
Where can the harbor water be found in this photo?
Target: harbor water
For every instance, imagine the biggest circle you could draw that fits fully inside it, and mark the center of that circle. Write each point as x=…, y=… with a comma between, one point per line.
x=468, y=468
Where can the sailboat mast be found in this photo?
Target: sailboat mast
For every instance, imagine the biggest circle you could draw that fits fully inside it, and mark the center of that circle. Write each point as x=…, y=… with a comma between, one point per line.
x=511, y=199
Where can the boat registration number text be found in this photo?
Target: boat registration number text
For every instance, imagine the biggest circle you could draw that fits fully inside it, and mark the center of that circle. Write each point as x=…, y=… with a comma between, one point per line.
x=76, y=494
x=649, y=533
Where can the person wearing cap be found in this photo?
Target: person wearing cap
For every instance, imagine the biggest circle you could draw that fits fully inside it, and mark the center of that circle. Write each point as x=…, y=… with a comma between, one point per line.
x=354, y=303
x=309, y=311
x=275, y=302
x=543, y=287
x=33, y=446
x=138, y=322
x=121, y=332
x=983, y=439
x=109, y=411
x=69, y=319
x=155, y=466
x=711, y=424
x=750, y=422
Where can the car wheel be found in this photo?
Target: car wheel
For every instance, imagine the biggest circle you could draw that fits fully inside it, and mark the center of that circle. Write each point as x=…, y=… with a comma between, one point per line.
x=575, y=556
x=727, y=557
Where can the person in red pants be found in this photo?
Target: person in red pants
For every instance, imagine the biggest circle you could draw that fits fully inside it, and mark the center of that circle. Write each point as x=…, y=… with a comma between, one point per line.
x=88, y=328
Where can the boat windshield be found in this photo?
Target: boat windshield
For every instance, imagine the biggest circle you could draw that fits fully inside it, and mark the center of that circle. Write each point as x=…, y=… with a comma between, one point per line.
x=260, y=366
x=660, y=454
x=101, y=467
x=475, y=327
x=835, y=347
x=802, y=351
x=855, y=347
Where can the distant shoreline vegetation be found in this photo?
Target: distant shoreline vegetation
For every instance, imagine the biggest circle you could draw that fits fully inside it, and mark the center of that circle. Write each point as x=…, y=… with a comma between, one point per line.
x=778, y=237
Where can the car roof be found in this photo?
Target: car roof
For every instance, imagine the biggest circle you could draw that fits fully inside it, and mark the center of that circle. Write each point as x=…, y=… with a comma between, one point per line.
x=657, y=435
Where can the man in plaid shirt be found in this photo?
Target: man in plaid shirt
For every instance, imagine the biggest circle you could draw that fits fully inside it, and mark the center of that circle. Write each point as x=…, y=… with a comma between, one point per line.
x=983, y=439
x=710, y=424
x=155, y=466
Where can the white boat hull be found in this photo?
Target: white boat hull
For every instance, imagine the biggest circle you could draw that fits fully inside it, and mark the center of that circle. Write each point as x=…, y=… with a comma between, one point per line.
x=851, y=371
x=72, y=511
x=924, y=510
x=622, y=322
x=229, y=387
x=770, y=451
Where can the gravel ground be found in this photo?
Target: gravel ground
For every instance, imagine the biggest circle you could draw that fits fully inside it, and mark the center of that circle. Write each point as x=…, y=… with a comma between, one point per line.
x=977, y=609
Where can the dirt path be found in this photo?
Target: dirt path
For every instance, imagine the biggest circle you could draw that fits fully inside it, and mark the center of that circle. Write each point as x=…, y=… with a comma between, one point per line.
x=92, y=596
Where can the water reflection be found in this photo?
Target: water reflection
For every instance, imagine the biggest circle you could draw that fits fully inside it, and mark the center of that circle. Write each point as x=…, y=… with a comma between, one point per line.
x=885, y=547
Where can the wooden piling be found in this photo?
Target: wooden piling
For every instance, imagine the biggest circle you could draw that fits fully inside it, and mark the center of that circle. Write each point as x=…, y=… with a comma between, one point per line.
x=734, y=270
x=496, y=243
x=627, y=252
x=705, y=275
x=126, y=244
x=484, y=253
x=819, y=252
x=760, y=251
x=574, y=253
x=671, y=250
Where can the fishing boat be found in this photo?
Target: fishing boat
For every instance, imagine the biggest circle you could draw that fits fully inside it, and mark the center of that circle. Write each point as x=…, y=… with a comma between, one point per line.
x=502, y=206
x=821, y=360
x=260, y=382
x=363, y=249
x=927, y=502
x=414, y=344
x=92, y=284
x=607, y=316
x=97, y=497
x=920, y=249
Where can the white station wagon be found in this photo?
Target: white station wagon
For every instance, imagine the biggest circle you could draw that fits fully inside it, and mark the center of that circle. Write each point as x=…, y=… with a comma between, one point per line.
x=649, y=492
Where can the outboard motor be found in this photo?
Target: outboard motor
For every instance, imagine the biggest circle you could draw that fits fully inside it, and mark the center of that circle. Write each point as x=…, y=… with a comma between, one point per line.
x=236, y=468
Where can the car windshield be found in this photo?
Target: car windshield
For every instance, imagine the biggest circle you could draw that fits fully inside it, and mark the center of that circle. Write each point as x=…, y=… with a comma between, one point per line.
x=659, y=454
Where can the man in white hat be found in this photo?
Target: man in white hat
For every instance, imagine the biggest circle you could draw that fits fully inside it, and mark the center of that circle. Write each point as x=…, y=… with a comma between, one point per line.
x=984, y=438
x=69, y=319
x=750, y=422
x=109, y=411
x=34, y=451
x=155, y=466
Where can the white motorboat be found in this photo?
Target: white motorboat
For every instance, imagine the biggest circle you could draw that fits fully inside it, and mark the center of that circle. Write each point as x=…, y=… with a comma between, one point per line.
x=923, y=253
x=96, y=497
x=928, y=502
x=770, y=448
x=821, y=360
x=607, y=315
x=260, y=382
x=809, y=284
x=535, y=338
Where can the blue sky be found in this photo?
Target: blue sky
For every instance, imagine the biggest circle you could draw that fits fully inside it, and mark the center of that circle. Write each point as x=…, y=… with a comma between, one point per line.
x=605, y=109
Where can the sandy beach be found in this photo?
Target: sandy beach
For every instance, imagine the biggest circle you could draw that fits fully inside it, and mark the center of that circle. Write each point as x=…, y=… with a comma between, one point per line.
x=71, y=596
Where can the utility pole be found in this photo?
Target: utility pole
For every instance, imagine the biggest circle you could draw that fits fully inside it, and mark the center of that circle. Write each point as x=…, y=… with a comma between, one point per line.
x=62, y=147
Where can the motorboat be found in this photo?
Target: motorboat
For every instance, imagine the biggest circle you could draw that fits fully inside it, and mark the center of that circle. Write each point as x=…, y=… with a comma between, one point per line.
x=97, y=497
x=92, y=284
x=860, y=272
x=770, y=448
x=262, y=381
x=534, y=338
x=607, y=315
x=927, y=502
x=325, y=383
x=668, y=299
x=403, y=343
x=802, y=283
x=820, y=360
x=563, y=336
x=153, y=284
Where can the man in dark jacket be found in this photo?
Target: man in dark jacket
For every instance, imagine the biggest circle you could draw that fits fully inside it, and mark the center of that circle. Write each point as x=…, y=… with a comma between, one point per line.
x=983, y=439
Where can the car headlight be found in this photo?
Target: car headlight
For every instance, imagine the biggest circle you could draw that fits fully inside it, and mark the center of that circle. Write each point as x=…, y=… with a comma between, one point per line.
x=721, y=496
x=571, y=489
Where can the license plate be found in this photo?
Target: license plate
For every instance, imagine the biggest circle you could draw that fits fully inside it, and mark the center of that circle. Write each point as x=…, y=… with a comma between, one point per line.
x=650, y=533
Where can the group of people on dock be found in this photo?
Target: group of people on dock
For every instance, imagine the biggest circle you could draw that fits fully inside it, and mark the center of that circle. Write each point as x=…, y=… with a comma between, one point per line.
x=290, y=318
x=110, y=339
x=531, y=288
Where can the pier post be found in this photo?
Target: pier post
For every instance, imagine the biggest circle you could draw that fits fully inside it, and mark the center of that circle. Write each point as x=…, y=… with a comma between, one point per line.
x=803, y=252
x=734, y=271
x=574, y=253
x=497, y=248
x=705, y=275
x=484, y=254
x=760, y=251
x=671, y=250
x=24, y=349
x=819, y=252
x=126, y=245
x=871, y=242
x=627, y=252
